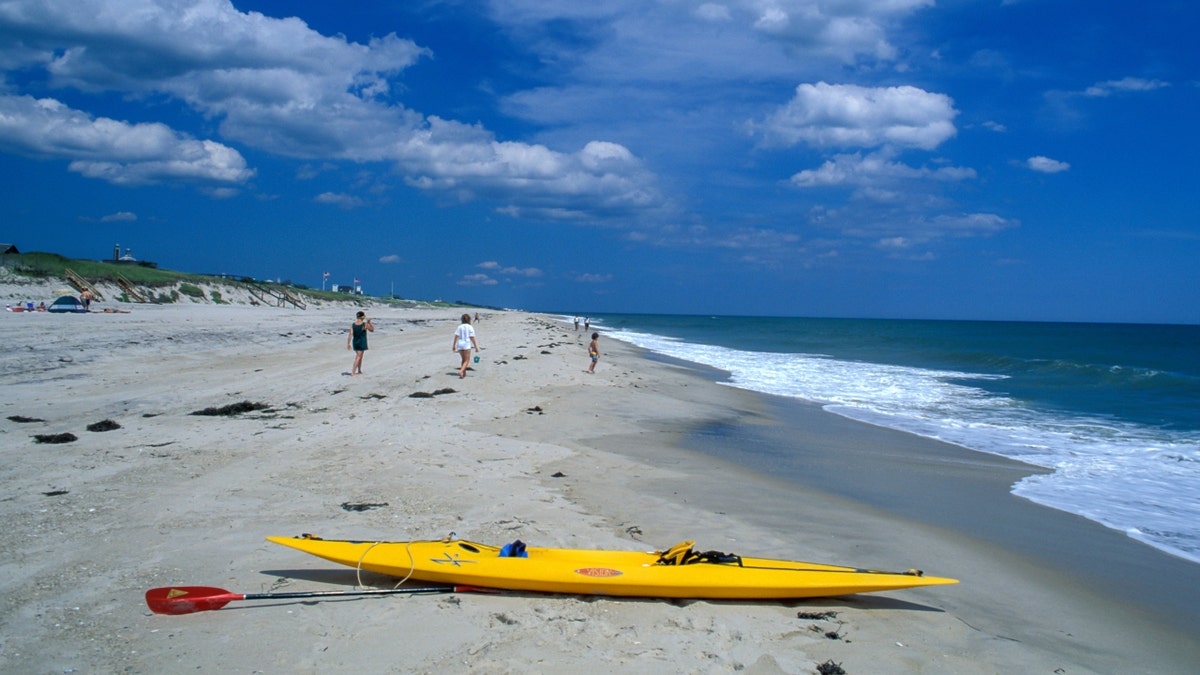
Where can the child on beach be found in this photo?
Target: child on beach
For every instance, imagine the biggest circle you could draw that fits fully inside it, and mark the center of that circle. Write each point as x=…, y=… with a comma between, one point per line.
x=594, y=352
x=464, y=342
x=357, y=340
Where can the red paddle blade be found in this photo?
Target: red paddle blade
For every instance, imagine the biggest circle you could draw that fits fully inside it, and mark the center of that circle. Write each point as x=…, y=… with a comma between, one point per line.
x=188, y=599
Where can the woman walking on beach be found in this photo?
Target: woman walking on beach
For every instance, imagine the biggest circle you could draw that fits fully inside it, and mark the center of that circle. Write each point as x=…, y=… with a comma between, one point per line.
x=357, y=340
x=464, y=342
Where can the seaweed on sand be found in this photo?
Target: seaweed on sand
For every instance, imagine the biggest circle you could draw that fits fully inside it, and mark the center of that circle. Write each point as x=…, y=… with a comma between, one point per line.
x=232, y=409
x=56, y=438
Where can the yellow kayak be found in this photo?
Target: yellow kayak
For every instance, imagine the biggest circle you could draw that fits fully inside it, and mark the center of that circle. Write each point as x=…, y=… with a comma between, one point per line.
x=678, y=572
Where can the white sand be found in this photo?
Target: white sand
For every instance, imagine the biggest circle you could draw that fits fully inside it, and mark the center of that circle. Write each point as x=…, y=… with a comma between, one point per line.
x=173, y=498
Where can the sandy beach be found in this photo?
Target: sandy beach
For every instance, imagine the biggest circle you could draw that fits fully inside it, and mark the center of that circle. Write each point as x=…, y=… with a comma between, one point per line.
x=641, y=455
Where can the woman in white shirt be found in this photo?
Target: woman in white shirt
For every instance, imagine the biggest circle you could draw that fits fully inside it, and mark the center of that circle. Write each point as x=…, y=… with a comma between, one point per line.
x=464, y=342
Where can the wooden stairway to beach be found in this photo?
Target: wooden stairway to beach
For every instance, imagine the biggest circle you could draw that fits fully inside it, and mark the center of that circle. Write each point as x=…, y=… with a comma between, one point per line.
x=81, y=284
x=280, y=296
x=130, y=290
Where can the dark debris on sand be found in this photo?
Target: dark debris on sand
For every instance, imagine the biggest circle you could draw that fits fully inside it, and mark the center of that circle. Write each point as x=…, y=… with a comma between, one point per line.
x=438, y=392
x=816, y=616
x=362, y=506
x=21, y=419
x=56, y=438
x=105, y=425
x=232, y=409
x=830, y=668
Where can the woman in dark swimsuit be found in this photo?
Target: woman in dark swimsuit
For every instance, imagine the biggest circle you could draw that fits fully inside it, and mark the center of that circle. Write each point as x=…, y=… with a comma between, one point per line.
x=357, y=340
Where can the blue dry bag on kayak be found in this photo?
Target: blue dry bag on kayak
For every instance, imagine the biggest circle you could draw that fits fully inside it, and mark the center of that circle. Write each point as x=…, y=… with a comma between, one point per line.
x=514, y=550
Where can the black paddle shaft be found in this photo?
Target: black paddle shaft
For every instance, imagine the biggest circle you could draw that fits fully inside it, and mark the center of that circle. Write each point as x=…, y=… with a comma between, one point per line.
x=321, y=594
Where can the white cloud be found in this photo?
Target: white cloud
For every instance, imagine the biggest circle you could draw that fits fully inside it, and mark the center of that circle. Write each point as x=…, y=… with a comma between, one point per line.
x=119, y=217
x=846, y=115
x=279, y=86
x=477, y=280
x=340, y=199
x=510, y=271
x=590, y=278
x=1046, y=165
x=1128, y=84
x=655, y=37
x=970, y=224
x=391, y=259
x=112, y=150
x=872, y=171
x=841, y=30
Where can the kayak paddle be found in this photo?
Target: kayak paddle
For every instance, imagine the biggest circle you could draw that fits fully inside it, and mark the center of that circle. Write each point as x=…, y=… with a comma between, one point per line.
x=191, y=599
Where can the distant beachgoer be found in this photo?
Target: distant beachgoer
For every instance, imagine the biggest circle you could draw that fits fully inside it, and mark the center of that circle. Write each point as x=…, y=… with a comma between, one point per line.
x=42, y=306
x=576, y=324
x=86, y=297
x=357, y=340
x=587, y=324
x=594, y=352
x=464, y=342
x=29, y=306
x=476, y=317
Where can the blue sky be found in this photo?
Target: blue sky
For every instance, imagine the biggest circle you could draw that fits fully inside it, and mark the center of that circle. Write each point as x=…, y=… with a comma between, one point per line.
x=987, y=159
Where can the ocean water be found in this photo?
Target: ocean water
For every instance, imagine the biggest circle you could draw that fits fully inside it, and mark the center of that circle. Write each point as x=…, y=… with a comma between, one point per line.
x=1112, y=409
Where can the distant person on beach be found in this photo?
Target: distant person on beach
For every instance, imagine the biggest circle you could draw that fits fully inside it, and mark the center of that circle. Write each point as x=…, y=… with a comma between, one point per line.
x=576, y=324
x=594, y=352
x=357, y=340
x=86, y=297
x=464, y=342
x=587, y=324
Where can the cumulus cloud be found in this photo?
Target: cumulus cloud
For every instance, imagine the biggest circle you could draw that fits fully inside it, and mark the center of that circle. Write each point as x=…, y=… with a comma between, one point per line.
x=279, y=86
x=390, y=259
x=112, y=150
x=843, y=30
x=846, y=115
x=1046, y=165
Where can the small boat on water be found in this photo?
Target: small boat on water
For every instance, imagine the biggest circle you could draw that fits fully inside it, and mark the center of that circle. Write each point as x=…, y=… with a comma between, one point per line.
x=678, y=572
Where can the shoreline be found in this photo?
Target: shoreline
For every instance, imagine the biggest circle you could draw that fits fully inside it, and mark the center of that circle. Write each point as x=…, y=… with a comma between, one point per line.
x=526, y=447
x=1090, y=592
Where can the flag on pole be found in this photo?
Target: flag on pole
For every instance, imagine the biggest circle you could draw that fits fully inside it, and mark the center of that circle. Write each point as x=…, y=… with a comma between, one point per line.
x=326, y=275
x=356, y=282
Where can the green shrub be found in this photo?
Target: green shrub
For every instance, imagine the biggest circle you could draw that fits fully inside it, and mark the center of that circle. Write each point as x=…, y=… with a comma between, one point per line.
x=216, y=296
x=190, y=290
